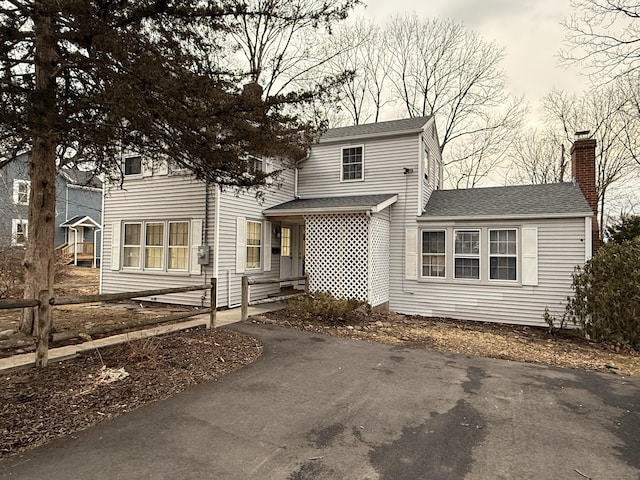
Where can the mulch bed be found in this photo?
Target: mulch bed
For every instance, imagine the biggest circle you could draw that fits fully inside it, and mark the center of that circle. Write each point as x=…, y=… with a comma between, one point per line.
x=39, y=405
x=564, y=348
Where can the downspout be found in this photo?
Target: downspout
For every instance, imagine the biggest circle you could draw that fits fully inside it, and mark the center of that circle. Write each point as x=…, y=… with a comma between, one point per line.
x=66, y=207
x=295, y=182
x=102, y=237
x=216, y=233
x=205, y=236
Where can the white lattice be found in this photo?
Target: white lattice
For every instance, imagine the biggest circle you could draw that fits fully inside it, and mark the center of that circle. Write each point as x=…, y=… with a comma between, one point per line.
x=337, y=254
x=379, y=261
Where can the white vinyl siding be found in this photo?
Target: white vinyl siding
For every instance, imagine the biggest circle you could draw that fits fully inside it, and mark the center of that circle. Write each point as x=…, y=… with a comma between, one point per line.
x=154, y=199
x=549, y=250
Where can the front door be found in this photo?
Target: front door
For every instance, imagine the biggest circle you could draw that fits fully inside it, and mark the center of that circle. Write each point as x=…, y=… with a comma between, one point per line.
x=298, y=250
x=292, y=253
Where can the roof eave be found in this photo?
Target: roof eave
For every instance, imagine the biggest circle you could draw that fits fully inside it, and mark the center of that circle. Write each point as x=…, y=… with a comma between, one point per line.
x=529, y=216
x=372, y=135
x=288, y=212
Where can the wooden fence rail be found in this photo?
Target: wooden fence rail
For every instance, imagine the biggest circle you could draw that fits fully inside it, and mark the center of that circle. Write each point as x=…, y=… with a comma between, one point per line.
x=110, y=297
x=246, y=281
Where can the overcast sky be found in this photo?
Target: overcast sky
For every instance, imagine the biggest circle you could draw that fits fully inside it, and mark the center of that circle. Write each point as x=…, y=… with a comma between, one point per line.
x=529, y=30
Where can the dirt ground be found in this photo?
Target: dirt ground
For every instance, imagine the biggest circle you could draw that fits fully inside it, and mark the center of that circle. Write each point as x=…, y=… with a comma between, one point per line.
x=82, y=319
x=37, y=406
x=521, y=344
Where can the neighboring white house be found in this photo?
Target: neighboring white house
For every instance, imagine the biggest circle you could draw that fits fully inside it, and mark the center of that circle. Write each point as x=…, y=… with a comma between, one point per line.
x=365, y=217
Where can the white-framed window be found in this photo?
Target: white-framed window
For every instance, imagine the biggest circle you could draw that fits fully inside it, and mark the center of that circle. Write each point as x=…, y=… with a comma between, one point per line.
x=132, y=245
x=154, y=245
x=21, y=189
x=254, y=244
x=133, y=165
x=178, y=246
x=352, y=163
x=434, y=253
x=503, y=254
x=426, y=159
x=161, y=240
x=19, y=232
x=466, y=254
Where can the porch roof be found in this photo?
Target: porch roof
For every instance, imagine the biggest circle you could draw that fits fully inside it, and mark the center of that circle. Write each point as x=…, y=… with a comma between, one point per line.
x=81, y=221
x=519, y=201
x=346, y=204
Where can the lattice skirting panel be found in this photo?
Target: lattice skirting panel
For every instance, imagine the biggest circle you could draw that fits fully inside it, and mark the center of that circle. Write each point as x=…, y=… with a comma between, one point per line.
x=379, y=261
x=337, y=254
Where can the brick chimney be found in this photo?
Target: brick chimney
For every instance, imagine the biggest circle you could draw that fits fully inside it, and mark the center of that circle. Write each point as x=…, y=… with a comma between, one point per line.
x=583, y=170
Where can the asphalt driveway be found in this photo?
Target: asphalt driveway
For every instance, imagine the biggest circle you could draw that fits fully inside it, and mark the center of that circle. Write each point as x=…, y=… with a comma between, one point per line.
x=316, y=407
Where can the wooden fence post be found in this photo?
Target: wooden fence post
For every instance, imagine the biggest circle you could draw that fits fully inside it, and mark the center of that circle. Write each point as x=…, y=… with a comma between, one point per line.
x=214, y=302
x=306, y=284
x=44, y=329
x=244, y=313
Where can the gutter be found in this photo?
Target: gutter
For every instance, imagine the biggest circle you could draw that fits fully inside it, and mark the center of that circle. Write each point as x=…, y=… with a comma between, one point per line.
x=431, y=218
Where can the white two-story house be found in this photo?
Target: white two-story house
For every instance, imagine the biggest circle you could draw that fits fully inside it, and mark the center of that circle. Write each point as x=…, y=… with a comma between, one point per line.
x=364, y=216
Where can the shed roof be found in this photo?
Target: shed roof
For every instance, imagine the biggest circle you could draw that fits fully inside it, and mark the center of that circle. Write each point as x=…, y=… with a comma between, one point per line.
x=405, y=125
x=548, y=200
x=345, y=204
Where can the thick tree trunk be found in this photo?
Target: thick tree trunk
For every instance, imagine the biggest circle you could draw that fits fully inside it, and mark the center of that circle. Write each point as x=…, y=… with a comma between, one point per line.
x=39, y=259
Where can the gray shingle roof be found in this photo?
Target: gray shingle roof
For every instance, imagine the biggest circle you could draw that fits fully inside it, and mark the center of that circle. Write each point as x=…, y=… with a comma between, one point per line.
x=521, y=200
x=329, y=204
x=81, y=177
x=372, y=129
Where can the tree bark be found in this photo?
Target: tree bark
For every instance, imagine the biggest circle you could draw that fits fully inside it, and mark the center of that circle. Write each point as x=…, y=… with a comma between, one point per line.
x=39, y=259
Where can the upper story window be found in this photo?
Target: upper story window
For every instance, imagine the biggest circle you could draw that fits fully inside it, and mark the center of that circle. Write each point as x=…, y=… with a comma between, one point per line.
x=133, y=165
x=352, y=164
x=503, y=254
x=255, y=164
x=426, y=159
x=467, y=254
x=21, y=192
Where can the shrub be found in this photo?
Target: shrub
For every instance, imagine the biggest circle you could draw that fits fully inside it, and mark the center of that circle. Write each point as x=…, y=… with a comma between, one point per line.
x=606, y=303
x=627, y=228
x=11, y=272
x=323, y=304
